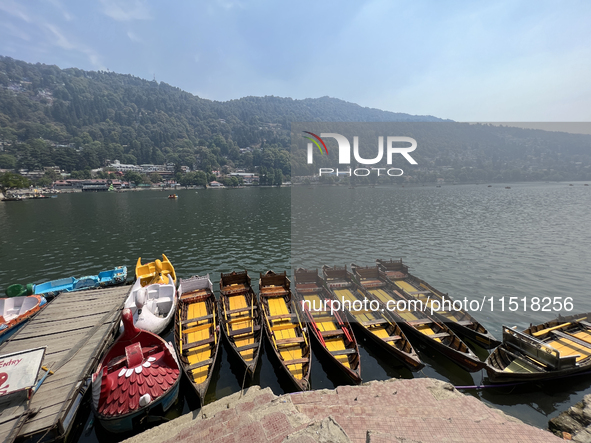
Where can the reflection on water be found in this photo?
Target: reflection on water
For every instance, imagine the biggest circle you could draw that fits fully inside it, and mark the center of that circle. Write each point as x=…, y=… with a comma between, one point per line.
x=470, y=241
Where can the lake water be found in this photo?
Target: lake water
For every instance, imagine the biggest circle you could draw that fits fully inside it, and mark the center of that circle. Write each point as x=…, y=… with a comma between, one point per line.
x=469, y=241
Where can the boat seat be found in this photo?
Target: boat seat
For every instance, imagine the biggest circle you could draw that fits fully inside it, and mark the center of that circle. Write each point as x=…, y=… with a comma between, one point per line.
x=164, y=305
x=344, y=352
x=333, y=333
x=152, y=306
x=440, y=335
x=375, y=322
x=244, y=331
x=247, y=347
x=282, y=317
x=195, y=320
x=244, y=309
x=572, y=338
x=585, y=323
x=289, y=341
x=28, y=303
x=198, y=328
x=238, y=320
x=200, y=364
x=284, y=327
x=297, y=361
x=196, y=344
x=419, y=322
x=464, y=323
x=392, y=338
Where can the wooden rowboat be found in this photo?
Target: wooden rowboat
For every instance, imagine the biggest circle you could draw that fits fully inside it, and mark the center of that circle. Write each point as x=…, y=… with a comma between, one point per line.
x=555, y=349
x=284, y=330
x=459, y=320
x=416, y=322
x=197, y=332
x=332, y=330
x=240, y=317
x=138, y=375
x=377, y=325
x=154, y=272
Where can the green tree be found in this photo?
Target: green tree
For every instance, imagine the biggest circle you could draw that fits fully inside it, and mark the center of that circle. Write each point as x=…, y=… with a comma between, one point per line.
x=278, y=179
x=11, y=180
x=155, y=177
x=133, y=177
x=7, y=161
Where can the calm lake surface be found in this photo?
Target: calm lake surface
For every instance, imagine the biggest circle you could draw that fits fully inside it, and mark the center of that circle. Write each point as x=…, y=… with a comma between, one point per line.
x=469, y=241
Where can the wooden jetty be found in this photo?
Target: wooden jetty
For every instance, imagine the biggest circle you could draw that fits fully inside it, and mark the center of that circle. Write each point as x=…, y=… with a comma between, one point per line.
x=76, y=328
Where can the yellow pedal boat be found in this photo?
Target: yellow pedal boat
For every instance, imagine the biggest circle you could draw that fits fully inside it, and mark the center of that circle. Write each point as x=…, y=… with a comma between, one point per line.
x=154, y=272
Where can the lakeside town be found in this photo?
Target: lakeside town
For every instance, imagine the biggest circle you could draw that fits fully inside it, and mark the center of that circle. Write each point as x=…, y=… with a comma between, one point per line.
x=121, y=177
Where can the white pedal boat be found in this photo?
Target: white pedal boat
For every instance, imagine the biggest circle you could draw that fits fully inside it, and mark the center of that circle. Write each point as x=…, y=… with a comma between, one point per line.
x=152, y=306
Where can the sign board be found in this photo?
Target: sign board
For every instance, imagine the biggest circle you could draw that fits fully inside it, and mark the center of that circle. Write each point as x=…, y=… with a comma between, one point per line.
x=19, y=370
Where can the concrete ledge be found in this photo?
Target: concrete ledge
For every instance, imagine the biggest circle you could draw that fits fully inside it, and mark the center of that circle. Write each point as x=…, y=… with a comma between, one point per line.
x=418, y=410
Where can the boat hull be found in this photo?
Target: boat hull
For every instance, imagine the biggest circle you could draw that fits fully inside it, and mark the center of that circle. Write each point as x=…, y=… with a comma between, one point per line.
x=354, y=376
x=280, y=284
x=139, y=373
x=395, y=271
x=486, y=341
x=197, y=353
x=7, y=329
x=552, y=350
x=470, y=364
x=129, y=422
x=414, y=364
x=236, y=285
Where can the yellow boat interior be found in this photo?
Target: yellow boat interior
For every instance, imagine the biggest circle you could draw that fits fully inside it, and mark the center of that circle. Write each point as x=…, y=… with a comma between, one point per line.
x=332, y=329
x=370, y=275
x=288, y=338
x=197, y=335
x=154, y=272
x=240, y=316
x=557, y=344
x=373, y=321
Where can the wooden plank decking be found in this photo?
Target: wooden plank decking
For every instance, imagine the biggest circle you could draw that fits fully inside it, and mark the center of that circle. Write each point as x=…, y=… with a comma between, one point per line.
x=77, y=328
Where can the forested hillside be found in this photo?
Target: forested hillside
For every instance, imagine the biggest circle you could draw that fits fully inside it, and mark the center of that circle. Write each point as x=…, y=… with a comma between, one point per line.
x=79, y=120
x=106, y=116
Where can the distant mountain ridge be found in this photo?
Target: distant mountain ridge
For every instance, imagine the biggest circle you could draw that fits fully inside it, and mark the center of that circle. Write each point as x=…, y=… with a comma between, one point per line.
x=117, y=116
x=79, y=120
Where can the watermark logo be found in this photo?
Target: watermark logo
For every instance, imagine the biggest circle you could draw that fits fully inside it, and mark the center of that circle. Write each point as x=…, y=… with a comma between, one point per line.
x=344, y=150
x=316, y=143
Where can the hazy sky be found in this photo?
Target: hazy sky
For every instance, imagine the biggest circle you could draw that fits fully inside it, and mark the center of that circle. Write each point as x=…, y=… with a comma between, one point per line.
x=467, y=61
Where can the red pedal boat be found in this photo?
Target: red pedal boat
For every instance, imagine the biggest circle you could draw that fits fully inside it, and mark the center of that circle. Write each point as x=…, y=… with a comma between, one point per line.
x=139, y=376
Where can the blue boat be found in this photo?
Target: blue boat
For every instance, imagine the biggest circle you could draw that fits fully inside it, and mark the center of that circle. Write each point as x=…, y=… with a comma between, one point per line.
x=69, y=284
x=113, y=277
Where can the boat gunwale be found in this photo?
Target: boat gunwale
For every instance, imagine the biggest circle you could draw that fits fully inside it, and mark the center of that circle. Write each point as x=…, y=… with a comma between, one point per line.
x=304, y=383
x=199, y=388
x=255, y=318
x=323, y=293
x=496, y=374
x=410, y=358
x=452, y=348
x=483, y=337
